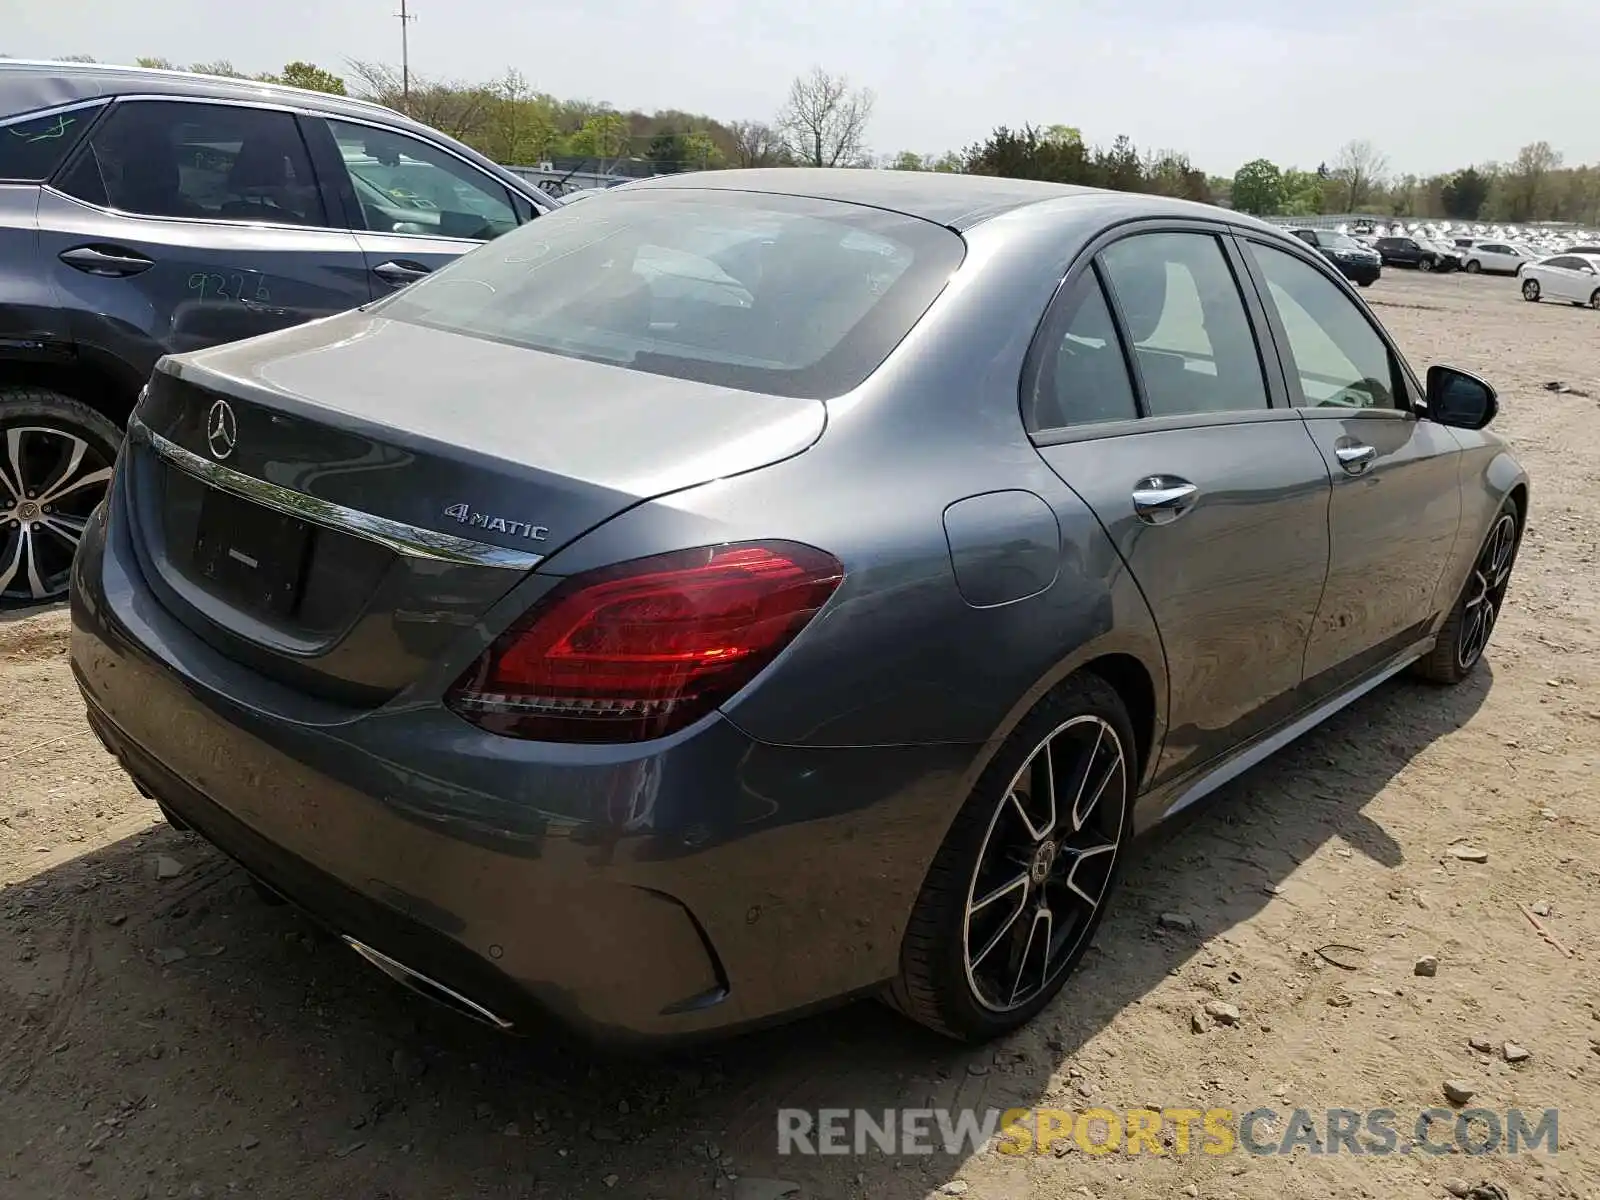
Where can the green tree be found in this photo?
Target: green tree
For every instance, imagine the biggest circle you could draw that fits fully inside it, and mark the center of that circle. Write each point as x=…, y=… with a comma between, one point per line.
x=907, y=160
x=700, y=152
x=604, y=135
x=312, y=77
x=1463, y=195
x=159, y=64
x=666, y=151
x=1258, y=187
x=1303, y=192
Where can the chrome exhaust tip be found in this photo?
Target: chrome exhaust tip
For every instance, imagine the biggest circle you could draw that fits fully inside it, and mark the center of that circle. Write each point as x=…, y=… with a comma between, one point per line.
x=424, y=986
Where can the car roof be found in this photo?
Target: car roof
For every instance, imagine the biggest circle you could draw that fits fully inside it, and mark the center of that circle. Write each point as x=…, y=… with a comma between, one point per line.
x=956, y=201
x=27, y=85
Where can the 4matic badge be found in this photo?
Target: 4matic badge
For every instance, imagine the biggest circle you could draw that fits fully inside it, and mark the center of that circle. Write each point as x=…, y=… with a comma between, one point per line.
x=464, y=514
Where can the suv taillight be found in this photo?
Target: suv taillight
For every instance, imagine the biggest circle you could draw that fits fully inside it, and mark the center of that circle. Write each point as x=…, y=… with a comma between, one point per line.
x=643, y=648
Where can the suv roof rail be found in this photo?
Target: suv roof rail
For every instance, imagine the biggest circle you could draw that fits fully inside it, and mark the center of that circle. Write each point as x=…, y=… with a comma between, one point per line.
x=125, y=69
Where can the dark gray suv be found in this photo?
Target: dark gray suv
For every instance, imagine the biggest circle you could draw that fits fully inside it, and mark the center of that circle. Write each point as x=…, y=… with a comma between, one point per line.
x=146, y=212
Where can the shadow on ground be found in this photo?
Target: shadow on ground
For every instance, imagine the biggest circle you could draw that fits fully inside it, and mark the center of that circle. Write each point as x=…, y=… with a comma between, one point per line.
x=292, y=1070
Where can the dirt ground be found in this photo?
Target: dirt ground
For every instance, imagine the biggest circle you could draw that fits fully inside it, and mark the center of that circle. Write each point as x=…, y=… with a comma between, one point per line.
x=177, y=1037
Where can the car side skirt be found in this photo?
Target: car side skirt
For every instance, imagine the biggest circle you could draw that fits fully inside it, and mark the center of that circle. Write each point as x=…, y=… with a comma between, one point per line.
x=1171, y=798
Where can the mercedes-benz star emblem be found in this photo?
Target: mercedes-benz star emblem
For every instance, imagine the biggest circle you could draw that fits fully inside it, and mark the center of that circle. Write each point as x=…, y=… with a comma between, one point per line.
x=222, y=429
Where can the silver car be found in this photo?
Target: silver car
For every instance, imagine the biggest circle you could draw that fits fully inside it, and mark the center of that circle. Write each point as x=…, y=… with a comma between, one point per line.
x=745, y=590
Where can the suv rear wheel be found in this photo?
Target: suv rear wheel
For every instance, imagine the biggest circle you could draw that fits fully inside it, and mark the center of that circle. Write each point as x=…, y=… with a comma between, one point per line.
x=56, y=455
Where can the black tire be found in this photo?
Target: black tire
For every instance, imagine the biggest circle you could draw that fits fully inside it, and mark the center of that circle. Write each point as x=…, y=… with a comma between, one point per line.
x=935, y=986
x=1594, y=300
x=40, y=512
x=1463, y=637
x=1366, y=282
x=1530, y=290
x=1473, y=266
x=1425, y=264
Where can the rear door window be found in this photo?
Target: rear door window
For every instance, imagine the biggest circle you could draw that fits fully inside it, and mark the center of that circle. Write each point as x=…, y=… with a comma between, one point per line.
x=32, y=147
x=230, y=162
x=1192, y=340
x=788, y=295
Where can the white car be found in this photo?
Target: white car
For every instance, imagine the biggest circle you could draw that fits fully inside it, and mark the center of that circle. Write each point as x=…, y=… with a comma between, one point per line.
x=1500, y=257
x=1571, y=277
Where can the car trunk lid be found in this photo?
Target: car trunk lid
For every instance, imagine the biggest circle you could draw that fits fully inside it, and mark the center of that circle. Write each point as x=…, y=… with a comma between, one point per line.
x=332, y=504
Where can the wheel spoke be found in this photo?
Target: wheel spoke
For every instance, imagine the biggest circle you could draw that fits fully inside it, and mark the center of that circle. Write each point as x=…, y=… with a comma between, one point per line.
x=63, y=488
x=35, y=584
x=1041, y=916
x=1080, y=809
x=1021, y=881
x=999, y=934
x=1081, y=857
x=74, y=460
x=9, y=572
x=1037, y=832
x=14, y=482
x=68, y=529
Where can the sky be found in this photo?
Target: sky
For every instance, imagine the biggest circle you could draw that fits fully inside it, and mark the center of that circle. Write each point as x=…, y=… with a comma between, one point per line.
x=1433, y=84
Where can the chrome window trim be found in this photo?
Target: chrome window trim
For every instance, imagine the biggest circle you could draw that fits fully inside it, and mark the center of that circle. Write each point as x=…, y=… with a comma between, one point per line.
x=410, y=540
x=35, y=113
x=219, y=222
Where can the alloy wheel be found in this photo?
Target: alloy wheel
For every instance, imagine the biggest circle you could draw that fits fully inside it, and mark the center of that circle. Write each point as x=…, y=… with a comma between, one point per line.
x=1530, y=289
x=1045, y=864
x=1486, y=589
x=50, y=482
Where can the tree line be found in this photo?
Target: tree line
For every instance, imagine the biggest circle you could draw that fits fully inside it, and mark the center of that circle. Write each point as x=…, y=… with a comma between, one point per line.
x=823, y=122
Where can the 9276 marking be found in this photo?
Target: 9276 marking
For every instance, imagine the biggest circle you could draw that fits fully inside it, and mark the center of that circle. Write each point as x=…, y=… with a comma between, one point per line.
x=464, y=514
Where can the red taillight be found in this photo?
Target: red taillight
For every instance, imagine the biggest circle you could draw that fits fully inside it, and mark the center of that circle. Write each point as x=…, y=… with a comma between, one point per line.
x=643, y=648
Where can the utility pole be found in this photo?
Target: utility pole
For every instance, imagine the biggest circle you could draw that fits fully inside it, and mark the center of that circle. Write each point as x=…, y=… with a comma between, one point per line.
x=405, y=57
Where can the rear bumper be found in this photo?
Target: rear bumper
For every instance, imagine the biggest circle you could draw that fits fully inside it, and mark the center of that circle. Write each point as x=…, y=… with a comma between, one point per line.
x=638, y=894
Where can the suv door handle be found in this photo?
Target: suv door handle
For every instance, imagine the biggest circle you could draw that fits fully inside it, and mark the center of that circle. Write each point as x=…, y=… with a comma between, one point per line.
x=1162, y=499
x=106, y=260
x=1355, y=456
x=400, y=272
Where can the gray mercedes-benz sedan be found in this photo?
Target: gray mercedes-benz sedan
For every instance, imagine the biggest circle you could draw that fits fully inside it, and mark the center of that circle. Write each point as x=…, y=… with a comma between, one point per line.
x=745, y=590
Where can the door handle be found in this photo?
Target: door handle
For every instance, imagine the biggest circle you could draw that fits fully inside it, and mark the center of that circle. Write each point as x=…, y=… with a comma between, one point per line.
x=106, y=260
x=1162, y=499
x=1355, y=457
x=400, y=272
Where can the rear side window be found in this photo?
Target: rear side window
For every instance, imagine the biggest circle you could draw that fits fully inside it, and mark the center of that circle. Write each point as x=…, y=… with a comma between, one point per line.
x=787, y=295
x=1081, y=376
x=31, y=148
x=228, y=162
x=1192, y=340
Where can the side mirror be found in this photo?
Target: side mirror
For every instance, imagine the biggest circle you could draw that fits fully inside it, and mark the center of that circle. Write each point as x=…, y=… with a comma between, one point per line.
x=1458, y=399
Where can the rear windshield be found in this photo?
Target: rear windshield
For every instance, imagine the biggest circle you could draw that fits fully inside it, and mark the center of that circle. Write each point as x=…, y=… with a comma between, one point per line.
x=779, y=294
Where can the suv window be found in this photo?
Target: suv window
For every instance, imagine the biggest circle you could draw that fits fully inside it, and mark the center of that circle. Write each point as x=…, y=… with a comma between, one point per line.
x=162, y=158
x=31, y=148
x=1081, y=375
x=1191, y=337
x=405, y=185
x=1567, y=263
x=1338, y=356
